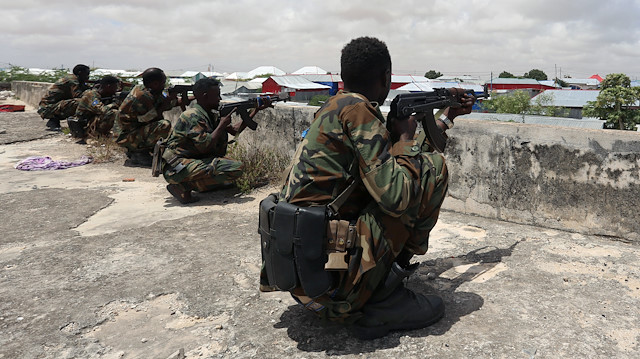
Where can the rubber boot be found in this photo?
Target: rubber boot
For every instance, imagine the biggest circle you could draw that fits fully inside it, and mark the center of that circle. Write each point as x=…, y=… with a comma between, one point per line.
x=140, y=158
x=397, y=308
x=53, y=125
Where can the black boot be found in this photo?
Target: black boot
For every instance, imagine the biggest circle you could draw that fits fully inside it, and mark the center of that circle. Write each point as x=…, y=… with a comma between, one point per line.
x=140, y=158
x=53, y=125
x=395, y=307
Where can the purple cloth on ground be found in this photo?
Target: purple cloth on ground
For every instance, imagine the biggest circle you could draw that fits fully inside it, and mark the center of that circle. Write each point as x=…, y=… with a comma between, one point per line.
x=39, y=163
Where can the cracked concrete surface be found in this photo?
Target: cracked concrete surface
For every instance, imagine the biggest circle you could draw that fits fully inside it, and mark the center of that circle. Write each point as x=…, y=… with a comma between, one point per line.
x=94, y=267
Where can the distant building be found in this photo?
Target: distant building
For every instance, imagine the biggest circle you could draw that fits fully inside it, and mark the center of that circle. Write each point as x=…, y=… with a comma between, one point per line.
x=573, y=100
x=299, y=88
x=505, y=85
x=310, y=70
x=461, y=78
x=401, y=80
x=582, y=84
x=334, y=81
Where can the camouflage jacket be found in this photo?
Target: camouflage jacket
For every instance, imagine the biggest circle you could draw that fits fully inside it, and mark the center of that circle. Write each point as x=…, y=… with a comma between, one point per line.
x=139, y=108
x=348, y=138
x=191, y=137
x=90, y=105
x=66, y=88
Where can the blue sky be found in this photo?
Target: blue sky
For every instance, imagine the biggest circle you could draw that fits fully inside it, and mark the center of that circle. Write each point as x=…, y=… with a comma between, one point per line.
x=473, y=37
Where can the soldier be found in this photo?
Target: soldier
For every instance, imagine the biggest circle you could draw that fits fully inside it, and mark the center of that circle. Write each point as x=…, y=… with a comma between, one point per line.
x=194, y=156
x=391, y=194
x=97, y=109
x=62, y=99
x=140, y=122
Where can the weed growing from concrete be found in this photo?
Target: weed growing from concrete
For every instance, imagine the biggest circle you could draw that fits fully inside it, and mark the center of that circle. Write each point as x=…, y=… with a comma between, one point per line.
x=104, y=149
x=262, y=165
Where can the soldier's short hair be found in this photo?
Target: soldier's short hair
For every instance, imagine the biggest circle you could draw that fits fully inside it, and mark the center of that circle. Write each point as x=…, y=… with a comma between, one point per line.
x=80, y=68
x=109, y=80
x=363, y=60
x=201, y=86
x=152, y=74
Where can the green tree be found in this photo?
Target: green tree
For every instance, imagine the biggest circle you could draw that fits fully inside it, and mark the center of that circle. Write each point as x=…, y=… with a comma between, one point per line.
x=614, y=103
x=17, y=73
x=518, y=102
x=506, y=75
x=536, y=75
x=432, y=74
x=561, y=82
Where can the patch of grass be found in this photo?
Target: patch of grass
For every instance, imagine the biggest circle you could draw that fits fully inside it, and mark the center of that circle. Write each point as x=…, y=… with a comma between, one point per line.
x=318, y=100
x=104, y=149
x=262, y=165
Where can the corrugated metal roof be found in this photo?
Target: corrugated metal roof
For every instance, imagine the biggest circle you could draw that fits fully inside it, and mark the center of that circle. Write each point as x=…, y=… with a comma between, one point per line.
x=322, y=77
x=587, y=82
x=264, y=70
x=570, y=98
x=308, y=70
x=464, y=78
x=408, y=79
x=416, y=87
x=592, y=123
x=298, y=83
x=503, y=81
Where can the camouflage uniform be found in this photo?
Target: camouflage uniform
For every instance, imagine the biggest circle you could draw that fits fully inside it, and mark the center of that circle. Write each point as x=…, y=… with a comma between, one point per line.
x=206, y=168
x=62, y=99
x=100, y=117
x=140, y=122
x=395, y=205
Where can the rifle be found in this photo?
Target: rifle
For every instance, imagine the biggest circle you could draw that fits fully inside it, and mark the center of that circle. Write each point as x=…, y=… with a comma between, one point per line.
x=182, y=90
x=243, y=107
x=179, y=89
x=117, y=97
x=404, y=105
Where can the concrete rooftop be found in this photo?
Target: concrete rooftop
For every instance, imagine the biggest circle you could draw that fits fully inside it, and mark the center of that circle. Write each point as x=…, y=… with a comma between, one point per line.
x=94, y=267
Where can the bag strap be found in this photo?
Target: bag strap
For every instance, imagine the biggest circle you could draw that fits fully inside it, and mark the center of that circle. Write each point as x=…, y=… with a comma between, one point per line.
x=335, y=205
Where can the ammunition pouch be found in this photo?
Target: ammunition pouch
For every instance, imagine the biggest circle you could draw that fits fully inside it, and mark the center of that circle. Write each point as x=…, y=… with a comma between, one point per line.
x=77, y=126
x=294, y=246
x=156, y=163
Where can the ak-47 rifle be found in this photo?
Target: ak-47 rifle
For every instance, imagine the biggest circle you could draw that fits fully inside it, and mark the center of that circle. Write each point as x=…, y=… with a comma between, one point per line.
x=243, y=107
x=118, y=97
x=183, y=90
x=179, y=88
x=404, y=105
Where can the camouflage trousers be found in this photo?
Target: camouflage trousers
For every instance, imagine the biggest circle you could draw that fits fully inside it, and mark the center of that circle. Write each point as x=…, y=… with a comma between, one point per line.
x=59, y=110
x=382, y=238
x=144, y=138
x=206, y=174
x=101, y=125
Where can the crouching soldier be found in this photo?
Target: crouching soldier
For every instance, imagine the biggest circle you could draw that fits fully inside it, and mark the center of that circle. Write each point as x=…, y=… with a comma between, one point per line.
x=141, y=122
x=356, y=206
x=97, y=110
x=194, y=158
x=62, y=99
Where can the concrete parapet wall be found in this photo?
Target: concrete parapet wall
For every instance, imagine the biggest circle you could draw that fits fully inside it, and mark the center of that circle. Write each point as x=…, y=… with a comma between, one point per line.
x=30, y=92
x=580, y=180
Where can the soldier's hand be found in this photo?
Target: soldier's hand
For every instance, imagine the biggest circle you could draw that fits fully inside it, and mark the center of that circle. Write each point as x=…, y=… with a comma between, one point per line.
x=263, y=102
x=226, y=120
x=466, y=102
x=404, y=130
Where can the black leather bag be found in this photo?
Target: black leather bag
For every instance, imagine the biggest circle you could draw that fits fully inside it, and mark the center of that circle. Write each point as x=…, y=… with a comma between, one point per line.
x=310, y=250
x=293, y=241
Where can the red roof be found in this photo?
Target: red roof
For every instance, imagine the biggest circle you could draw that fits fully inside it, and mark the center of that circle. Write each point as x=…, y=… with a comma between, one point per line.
x=597, y=77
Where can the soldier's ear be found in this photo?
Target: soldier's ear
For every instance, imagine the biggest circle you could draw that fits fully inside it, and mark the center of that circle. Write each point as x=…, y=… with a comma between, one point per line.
x=386, y=78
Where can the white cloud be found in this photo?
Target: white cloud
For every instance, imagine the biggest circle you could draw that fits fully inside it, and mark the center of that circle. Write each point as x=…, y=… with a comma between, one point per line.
x=474, y=37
